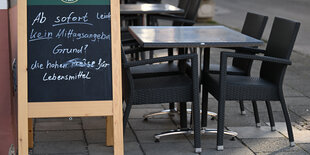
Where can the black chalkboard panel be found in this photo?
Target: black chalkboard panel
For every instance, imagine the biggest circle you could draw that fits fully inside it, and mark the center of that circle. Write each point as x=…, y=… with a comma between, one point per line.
x=69, y=53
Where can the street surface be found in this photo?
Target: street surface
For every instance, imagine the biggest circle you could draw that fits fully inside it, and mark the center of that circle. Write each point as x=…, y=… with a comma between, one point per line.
x=232, y=14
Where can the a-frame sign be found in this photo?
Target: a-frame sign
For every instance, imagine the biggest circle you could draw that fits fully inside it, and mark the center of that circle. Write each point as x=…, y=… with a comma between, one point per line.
x=69, y=63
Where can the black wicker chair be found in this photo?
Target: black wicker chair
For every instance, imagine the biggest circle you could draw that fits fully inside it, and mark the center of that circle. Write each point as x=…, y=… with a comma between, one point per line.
x=135, y=19
x=163, y=89
x=183, y=4
x=267, y=87
x=173, y=67
x=187, y=18
x=254, y=25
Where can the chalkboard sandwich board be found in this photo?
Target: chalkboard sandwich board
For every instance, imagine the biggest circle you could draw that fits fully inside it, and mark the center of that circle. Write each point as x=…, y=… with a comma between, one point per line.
x=69, y=63
x=69, y=51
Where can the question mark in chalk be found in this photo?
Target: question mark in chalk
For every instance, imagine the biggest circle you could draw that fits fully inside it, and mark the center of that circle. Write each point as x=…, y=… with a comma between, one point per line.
x=85, y=47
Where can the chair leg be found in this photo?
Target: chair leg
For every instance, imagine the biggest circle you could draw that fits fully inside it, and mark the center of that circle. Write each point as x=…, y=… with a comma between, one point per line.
x=197, y=130
x=288, y=122
x=220, y=124
x=256, y=115
x=183, y=115
x=126, y=115
x=170, y=53
x=149, y=20
x=132, y=56
x=151, y=54
x=171, y=106
x=136, y=56
x=204, y=107
x=270, y=114
x=242, y=107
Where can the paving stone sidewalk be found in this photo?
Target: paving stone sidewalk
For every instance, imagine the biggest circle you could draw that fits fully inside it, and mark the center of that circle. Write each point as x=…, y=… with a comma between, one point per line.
x=83, y=136
x=86, y=136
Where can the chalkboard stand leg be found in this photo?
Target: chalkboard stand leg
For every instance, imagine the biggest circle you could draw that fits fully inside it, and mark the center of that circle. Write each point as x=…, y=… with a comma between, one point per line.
x=109, y=131
x=22, y=76
x=118, y=129
x=30, y=133
x=22, y=131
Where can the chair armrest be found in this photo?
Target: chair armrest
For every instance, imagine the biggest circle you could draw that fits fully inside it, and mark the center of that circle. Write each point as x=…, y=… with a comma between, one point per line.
x=224, y=56
x=174, y=18
x=250, y=50
x=140, y=49
x=161, y=59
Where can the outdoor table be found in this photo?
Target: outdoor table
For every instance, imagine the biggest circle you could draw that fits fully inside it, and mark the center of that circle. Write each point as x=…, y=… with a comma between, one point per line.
x=145, y=9
x=196, y=37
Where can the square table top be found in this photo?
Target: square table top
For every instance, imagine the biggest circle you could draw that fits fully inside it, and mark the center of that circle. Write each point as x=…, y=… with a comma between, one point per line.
x=149, y=9
x=190, y=36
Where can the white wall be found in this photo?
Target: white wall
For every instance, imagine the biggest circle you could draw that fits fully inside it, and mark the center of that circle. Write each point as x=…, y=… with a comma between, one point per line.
x=3, y=4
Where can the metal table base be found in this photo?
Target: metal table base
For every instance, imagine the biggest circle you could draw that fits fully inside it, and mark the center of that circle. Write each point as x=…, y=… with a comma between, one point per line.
x=191, y=131
x=175, y=111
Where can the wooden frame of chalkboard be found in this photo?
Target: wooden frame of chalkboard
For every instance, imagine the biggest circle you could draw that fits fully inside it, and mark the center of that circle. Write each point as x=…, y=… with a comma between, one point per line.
x=77, y=49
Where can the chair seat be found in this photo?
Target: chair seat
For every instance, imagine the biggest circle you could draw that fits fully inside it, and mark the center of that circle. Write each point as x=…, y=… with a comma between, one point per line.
x=215, y=69
x=154, y=70
x=243, y=88
x=231, y=70
x=164, y=89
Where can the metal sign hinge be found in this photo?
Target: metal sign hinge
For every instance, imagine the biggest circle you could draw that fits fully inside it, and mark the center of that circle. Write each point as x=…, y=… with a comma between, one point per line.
x=12, y=150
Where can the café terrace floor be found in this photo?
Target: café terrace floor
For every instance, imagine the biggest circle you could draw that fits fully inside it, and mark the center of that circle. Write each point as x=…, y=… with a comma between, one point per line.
x=83, y=136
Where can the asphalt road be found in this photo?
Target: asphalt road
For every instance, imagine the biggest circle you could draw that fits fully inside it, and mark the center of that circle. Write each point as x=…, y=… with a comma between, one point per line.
x=232, y=13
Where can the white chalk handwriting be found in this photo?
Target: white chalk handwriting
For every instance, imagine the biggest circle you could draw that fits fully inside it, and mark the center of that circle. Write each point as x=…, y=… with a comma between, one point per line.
x=81, y=75
x=59, y=49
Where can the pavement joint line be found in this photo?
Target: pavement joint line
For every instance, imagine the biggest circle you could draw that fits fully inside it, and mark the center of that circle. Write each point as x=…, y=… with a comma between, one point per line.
x=272, y=138
x=134, y=133
x=305, y=95
x=297, y=144
x=302, y=93
x=302, y=147
x=243, y=143
x=297, y=96
x=84, y=136
x=290, y=111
